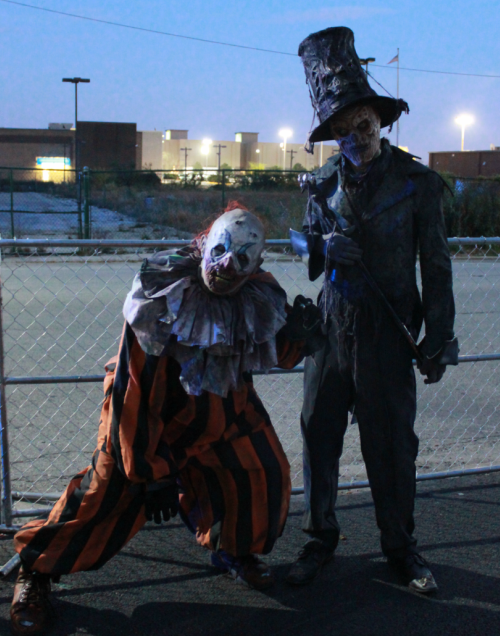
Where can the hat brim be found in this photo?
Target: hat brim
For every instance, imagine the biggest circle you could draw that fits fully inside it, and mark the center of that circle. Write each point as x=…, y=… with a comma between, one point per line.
x=388, y=109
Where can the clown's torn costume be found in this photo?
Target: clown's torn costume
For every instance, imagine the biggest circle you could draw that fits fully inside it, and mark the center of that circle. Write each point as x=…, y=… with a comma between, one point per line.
x=181, y=425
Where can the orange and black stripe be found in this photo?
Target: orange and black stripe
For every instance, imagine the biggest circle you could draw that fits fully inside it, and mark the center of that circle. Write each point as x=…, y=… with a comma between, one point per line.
x=233, y=472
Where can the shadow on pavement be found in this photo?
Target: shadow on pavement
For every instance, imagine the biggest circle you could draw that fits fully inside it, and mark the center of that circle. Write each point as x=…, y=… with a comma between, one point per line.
x=162, y=583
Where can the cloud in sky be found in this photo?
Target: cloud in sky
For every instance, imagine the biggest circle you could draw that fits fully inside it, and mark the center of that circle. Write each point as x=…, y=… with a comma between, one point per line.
x=335, y=15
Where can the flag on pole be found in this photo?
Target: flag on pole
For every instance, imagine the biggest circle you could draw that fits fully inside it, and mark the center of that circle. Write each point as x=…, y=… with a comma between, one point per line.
x=394, y=59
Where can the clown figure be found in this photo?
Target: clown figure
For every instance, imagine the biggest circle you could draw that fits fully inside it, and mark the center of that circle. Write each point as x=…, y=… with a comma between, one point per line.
x=182, y=428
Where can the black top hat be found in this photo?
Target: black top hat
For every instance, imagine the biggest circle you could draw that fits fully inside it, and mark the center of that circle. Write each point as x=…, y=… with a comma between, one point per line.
x=336, y=80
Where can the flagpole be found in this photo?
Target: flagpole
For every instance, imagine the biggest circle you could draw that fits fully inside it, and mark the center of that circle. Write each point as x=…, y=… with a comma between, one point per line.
x=397, y=127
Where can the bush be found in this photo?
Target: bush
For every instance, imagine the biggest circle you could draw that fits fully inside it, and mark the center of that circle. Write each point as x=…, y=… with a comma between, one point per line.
x=474, y=210
x=135, y=178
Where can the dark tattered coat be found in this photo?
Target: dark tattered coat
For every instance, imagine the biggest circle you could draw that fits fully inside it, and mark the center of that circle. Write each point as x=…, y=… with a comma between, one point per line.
x=401, y=220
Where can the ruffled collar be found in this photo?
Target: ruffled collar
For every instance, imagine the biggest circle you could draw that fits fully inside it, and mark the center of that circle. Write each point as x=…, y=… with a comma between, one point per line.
x=215, y=339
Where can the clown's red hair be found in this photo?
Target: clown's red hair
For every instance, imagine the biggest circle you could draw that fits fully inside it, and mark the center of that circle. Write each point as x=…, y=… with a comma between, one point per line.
x=231, y=205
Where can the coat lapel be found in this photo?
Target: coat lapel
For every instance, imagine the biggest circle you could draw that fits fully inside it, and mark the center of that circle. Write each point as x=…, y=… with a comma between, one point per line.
x=339, y=205
x=395, y=187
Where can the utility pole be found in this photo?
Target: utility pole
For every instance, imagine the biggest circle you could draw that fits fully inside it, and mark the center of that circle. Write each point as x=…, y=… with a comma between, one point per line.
x=219, y=146
x=185, y=151
x=292, y=152
x=397, y=123
x=76, y=81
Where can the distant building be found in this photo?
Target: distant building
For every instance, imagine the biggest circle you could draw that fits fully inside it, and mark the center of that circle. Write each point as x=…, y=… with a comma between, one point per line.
x=103, y=146
x=120, y=146
x=176, y=134
x=469, y=163
x=107, y=145
x=246, y=152
x=46, y=149
x=149, y=153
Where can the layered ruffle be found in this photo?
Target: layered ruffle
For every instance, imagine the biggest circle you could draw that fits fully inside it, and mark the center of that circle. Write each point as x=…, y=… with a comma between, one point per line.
x=215, y=339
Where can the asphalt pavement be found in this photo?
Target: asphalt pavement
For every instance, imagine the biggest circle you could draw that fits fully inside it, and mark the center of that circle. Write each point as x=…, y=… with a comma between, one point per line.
x=161, y=584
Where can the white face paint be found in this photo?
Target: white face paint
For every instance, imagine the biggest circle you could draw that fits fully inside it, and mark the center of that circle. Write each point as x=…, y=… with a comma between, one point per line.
x=357, y=131
x=232, y=251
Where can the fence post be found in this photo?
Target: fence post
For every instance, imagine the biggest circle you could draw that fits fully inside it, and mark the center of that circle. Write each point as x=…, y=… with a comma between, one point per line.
x=4, y=438
x=11, y=180
x=223, y=188
x=78, y=185
x=86, y=202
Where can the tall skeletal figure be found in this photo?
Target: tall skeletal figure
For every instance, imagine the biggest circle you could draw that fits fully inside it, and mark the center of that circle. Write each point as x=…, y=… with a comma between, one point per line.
x=372, y=210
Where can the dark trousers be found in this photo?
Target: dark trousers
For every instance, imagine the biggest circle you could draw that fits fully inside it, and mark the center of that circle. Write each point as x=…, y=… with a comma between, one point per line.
x=368, y=364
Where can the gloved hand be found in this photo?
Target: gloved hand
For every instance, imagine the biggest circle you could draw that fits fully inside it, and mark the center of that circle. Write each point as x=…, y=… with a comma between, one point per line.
x=342, y=249
x=162, y=498
x=304, y=319
x=432, y=370
x=435, y=366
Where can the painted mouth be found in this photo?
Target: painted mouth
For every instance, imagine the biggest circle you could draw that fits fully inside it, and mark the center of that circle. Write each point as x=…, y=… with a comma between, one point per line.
x=225, y=279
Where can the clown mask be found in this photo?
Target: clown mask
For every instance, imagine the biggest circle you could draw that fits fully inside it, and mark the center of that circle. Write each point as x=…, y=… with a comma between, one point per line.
x=232, y=251
x=357, y=132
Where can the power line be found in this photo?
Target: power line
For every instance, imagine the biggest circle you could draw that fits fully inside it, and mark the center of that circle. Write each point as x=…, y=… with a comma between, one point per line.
x=421, y=70
x=237, y=46
x=136, y=28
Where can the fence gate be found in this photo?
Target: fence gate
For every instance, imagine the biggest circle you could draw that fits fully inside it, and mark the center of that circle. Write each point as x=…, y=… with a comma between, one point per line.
x=61, y=319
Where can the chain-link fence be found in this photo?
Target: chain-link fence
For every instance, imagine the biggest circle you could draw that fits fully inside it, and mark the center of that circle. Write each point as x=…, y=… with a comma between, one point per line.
x=62, y=318
x=175, y=204
x=141, y=205
x=40, y=202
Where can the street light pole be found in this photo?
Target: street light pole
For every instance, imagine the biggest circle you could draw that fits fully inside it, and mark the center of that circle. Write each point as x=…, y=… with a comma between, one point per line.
x=76, y=81
x=366, y=61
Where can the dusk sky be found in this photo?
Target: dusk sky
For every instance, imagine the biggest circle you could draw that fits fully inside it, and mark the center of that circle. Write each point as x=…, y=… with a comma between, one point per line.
x=163, y=82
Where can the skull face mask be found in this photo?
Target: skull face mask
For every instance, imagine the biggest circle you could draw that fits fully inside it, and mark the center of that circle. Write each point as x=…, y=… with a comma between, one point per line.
x=357, y=131
x=232, y=251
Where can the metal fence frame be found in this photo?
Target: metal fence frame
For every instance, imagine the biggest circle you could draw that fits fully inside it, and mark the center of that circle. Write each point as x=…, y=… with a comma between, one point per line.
x=83, y=184
x=7, y=495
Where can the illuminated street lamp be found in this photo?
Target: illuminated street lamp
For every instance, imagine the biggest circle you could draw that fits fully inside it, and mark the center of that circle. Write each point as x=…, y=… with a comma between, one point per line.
x=463, y=121
x=285, y=133
x=205, y=149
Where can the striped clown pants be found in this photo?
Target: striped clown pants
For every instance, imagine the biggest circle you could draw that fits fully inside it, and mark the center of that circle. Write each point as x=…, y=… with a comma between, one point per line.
x=233, y=474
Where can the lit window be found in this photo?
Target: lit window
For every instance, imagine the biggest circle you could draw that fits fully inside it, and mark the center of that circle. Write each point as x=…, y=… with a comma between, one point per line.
x=53, y=163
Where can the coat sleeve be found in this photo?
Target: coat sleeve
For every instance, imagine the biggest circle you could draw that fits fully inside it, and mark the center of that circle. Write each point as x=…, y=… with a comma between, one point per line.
x=314, y=227
x=435, y=264
x=291, y=351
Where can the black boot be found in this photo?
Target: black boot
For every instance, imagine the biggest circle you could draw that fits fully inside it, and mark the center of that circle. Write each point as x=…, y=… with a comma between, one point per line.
x=415, y=571
x=312, y=557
